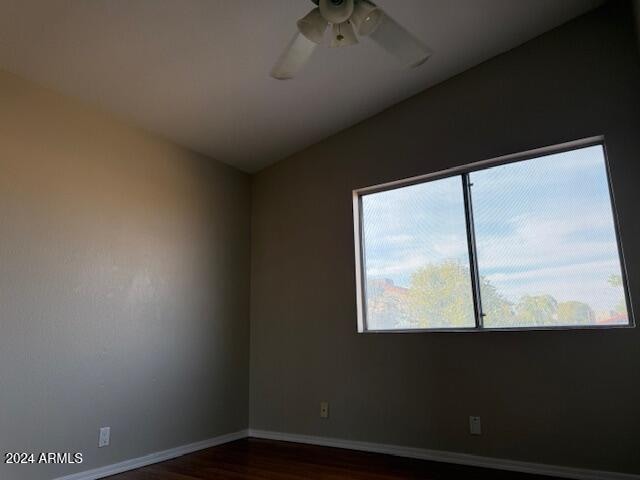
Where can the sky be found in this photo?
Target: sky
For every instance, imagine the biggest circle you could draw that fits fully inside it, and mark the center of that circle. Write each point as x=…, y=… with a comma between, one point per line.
x=543, y=226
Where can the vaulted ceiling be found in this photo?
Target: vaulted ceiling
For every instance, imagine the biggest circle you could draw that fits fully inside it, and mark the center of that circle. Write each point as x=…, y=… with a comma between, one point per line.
x=197, y=71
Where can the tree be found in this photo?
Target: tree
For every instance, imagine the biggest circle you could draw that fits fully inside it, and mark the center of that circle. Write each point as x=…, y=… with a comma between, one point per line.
x=440, y=297
x=498, y=312
x=536, y=310
x=386, y=305
x=575, y=313
x=616, y=282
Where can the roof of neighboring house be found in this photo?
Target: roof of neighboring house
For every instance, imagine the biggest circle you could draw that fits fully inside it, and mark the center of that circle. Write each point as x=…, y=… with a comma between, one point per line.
x=614, y=319
x=388, y=286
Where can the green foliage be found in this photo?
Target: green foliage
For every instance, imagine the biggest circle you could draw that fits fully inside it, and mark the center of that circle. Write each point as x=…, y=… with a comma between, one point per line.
x=575, y=313
x=497, y=310
x=440, y=296
x=538, y=311
x=616, y=282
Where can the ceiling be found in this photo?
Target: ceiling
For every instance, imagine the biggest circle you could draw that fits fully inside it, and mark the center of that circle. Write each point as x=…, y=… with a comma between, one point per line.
x=197, y=71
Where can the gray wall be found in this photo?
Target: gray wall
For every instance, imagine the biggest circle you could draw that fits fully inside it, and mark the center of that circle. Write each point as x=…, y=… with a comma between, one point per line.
x=124, y=286
x=560, y=397
x=636, y=5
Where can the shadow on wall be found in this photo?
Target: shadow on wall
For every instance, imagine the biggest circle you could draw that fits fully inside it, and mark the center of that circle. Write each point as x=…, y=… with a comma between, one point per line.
x=636, y=4
x=124, y=266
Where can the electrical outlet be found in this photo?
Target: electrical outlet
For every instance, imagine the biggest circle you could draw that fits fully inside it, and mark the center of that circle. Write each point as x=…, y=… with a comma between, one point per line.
x=324, y=409
x=105, y=437
x=475, y=426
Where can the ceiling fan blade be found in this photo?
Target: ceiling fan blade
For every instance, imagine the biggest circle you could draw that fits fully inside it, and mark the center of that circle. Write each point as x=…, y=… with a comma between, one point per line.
x=293, y=58
x=397, y=41
x=313, y=26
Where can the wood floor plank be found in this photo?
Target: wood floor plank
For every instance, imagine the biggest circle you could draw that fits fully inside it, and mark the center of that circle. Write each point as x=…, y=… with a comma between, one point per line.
x=255, y=459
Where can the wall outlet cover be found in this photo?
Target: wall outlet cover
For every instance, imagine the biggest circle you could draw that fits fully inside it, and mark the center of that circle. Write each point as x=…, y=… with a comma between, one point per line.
x=475, y=426
x=105, y=437
x=324, y=409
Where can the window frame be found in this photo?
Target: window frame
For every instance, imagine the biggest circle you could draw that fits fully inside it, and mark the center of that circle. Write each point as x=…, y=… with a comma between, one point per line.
x=463, y=172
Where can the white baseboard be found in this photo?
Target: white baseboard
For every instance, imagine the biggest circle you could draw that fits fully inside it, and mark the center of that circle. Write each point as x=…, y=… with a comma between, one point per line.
x=409, y=452
x=448, y=457
x=156, y=457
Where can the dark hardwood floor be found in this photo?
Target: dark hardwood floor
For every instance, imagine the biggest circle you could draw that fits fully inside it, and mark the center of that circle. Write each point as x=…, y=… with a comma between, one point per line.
x=255, y=459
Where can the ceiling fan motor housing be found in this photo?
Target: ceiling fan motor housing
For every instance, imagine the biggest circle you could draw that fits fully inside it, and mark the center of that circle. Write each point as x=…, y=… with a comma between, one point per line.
x=336, y=11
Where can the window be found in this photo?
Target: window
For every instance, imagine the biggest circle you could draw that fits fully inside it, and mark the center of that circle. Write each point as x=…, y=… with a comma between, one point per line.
x=526, y=241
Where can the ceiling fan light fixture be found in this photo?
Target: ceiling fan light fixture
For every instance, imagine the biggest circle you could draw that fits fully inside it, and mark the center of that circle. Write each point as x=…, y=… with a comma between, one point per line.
x=313, y=25
x=349, y=19
x=366, y=17
x=336, y=11
x=343, y=35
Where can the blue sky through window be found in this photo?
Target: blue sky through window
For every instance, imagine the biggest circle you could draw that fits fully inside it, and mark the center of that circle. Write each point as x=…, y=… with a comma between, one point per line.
x=544, y=227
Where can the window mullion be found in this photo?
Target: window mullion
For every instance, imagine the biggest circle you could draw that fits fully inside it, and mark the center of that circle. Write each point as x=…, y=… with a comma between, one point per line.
x=473, y=256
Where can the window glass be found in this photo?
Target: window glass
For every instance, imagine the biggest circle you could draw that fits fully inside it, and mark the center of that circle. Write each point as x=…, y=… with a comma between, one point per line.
x=416, y=257
x=544, y=238
x=546, y=243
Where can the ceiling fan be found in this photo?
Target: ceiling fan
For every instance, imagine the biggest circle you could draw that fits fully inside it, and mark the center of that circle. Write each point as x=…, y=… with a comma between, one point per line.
x=349, y=19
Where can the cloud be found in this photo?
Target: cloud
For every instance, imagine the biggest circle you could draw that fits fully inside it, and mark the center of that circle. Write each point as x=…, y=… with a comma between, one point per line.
x=586, y=282
x=542, y=227
x=402, y=267
x=553, y=239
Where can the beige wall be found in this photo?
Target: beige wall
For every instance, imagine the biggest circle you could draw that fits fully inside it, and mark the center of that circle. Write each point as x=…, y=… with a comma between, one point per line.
x=124, y=278
x=124, y=286
x=560, y=397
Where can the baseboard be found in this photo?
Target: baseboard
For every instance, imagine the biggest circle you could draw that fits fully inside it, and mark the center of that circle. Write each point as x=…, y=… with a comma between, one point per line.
x=156, y=457
x=409, y=452
x=447, y=457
